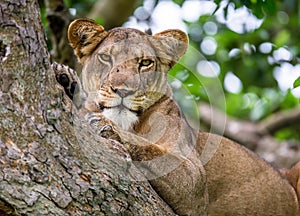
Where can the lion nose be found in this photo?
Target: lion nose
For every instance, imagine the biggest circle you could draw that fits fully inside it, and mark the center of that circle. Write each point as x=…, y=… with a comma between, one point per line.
x=123, y=92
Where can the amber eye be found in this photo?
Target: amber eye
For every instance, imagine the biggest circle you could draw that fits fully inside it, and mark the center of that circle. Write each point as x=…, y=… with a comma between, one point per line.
x=145, y=62
x=105, y=57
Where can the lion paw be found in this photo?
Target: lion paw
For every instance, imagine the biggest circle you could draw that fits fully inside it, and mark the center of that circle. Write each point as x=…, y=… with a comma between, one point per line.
x=101, y=126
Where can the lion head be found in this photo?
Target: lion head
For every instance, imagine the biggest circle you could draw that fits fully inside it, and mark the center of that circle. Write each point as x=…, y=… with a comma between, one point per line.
x=124, y=70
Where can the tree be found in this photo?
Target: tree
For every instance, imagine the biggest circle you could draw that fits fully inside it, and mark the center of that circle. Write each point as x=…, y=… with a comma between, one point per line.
x=45, y=169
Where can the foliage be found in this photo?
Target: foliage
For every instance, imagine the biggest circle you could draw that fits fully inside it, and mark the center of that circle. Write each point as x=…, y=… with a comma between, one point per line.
x=256, y=57
x=297, y=82
x=260, y=8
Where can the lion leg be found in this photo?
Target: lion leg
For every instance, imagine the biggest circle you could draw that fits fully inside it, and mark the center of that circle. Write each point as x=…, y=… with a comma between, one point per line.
x=166, y=171
x=163, y=169
x=69, y=80
x=293, y=176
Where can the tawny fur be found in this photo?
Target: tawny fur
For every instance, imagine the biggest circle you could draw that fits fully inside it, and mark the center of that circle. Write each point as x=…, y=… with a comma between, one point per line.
x=233, y=182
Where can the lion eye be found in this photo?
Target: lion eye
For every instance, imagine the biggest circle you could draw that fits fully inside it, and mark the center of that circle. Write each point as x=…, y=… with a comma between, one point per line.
x=105, y=57
x=145, y=62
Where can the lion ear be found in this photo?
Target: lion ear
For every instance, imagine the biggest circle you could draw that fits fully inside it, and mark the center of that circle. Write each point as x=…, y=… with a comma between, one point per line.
x=84, y=36
x=176, y=42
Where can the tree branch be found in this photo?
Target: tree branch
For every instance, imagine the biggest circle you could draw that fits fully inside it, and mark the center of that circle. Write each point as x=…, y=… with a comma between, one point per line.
x=281, y=120
x=243, y=132
x=114, y=13
x=255, y=136
x=49, y=164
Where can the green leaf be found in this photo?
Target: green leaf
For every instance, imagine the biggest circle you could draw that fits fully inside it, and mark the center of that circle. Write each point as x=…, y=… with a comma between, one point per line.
x=179, y=2
x=282, y=38
x=269, y=6
x=289, y=101
x=287, y=133
x=297, y=82
x=99, y=20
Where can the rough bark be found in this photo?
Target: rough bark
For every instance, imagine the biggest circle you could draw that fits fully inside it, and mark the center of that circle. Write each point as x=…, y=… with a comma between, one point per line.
x=47, y=165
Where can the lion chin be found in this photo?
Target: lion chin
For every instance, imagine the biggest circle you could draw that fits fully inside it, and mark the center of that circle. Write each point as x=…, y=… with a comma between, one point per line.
x=121, y=116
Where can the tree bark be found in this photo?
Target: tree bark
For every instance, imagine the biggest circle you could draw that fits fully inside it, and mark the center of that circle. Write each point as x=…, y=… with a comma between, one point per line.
x=48, y=165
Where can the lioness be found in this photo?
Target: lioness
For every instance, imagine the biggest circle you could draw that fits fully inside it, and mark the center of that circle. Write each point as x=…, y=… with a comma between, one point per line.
x=125, y=78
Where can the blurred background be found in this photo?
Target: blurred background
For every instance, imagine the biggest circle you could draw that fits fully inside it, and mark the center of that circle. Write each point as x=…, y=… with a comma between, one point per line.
x=240, y=75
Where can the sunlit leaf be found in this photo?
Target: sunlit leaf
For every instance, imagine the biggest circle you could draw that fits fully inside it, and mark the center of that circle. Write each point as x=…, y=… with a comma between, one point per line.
x=287, y=133
x=99, y=20
x=289, y=101
x=179, y=2
x=297, y=82
x=282, y=38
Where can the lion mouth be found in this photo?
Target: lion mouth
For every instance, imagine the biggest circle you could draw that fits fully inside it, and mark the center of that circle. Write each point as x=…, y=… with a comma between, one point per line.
x=121, y=115
x=121, y=107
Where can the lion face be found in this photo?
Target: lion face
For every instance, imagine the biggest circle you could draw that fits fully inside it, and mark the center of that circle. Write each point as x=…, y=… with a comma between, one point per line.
x=124, y=70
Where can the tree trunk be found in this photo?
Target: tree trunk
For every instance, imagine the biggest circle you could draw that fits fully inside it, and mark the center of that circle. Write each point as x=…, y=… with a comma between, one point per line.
x=59, y=18
x=46, y=168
